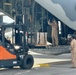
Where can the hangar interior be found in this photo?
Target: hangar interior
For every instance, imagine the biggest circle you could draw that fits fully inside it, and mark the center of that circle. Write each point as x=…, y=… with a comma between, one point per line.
x=35, y=17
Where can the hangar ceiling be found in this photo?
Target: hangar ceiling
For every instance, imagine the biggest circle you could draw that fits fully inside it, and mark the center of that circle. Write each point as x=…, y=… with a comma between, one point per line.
x=10, y=7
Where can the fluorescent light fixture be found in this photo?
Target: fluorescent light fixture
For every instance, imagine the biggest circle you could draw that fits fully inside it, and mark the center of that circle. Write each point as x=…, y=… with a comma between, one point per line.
x=7, y=19
x=7, y=3
x=1, y=13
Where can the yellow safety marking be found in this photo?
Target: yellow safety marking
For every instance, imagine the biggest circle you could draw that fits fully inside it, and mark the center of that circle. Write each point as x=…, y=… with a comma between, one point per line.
x=35, y=66
x=44, y=65
x=41, y=65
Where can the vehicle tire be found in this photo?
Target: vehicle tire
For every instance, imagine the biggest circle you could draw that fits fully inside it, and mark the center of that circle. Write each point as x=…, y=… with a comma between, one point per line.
x=27, y=62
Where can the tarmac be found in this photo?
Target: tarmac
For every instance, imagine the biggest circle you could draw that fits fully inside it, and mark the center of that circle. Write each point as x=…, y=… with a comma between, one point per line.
x=41, y=60
x=45, y=65
x=58, y=65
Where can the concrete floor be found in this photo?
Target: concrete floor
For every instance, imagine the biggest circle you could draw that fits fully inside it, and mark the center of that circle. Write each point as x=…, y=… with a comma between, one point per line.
x=45, y=65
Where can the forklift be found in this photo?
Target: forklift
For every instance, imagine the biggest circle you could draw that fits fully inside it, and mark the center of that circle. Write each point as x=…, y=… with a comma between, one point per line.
x=14, y=52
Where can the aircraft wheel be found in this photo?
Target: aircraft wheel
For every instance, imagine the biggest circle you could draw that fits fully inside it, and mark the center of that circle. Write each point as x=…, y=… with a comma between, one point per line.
x=27, y=62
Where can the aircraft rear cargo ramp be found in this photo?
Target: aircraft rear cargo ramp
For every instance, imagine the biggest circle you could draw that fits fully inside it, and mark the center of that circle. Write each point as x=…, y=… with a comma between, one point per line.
x=65, y=10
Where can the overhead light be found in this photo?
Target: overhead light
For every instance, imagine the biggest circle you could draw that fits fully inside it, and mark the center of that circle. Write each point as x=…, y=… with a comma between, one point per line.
x=1, y=13
x=7, y=3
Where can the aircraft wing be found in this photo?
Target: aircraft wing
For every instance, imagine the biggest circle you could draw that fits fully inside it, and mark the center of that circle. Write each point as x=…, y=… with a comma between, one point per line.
x=65, y=10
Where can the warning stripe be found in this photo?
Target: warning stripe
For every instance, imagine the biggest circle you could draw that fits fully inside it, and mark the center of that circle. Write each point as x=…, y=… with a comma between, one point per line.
x=52, y=63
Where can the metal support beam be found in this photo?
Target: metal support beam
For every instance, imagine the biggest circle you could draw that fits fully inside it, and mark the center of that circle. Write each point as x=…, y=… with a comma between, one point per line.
x=1, y=19
x=42, y=17
x=33, y=15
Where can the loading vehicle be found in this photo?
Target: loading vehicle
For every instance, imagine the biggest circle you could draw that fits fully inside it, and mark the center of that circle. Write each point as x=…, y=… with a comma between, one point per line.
x=14, y=52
